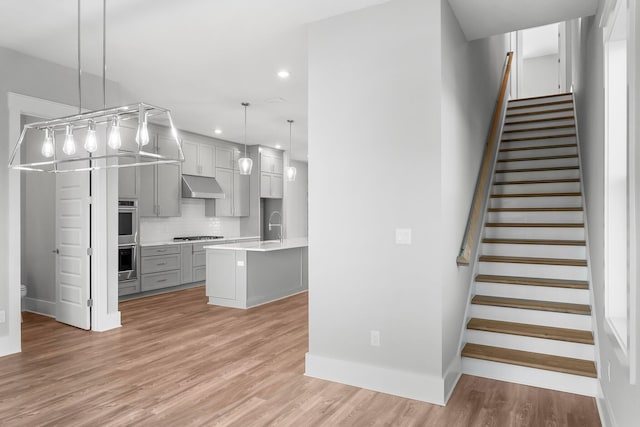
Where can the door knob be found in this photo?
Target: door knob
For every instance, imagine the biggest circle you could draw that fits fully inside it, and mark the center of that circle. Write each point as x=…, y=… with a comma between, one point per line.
x=56, y=251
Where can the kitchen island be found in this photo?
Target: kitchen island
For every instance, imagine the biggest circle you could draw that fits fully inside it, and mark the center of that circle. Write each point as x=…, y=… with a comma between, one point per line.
x=247, y=274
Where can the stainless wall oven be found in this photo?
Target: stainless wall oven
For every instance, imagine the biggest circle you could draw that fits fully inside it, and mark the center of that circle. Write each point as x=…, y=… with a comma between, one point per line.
x=127, y=262
x=127, y=222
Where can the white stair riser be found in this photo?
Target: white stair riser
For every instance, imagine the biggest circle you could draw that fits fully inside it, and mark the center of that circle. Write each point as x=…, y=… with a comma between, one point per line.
x=535, y=216
x=533, y=317
x=538, y=133
x=541, y=100
x=536, y=202
x=533, y=270
x=534, y=233
x=558, y=187
x=512, y=116
x=540, y=108
x=530, y=376
x=520, y=176
x=560, y=151
x=538, y=293
x=535, y=345
x=544, y=163
x=537, y=125
x=536, y=251
x=537, y=143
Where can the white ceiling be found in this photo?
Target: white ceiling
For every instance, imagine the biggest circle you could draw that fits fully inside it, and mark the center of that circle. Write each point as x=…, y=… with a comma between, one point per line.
x=484, y=18
x=540, y=41
x=200, y=58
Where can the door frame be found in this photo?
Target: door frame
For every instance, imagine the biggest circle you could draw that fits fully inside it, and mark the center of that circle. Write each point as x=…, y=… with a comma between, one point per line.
x=102, y=266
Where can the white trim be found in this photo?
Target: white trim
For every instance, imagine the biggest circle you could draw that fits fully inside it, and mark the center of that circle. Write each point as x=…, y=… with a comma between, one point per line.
x=39, y=306
x=451, y=377
x=411, y=385
x=605, y=412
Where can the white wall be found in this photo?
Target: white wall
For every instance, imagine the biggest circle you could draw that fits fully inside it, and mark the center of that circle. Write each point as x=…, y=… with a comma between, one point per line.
x=471, y=76
x=374, y=139
x=620, y=403
x=41, y=79
x=296, y=202
x=539, y=76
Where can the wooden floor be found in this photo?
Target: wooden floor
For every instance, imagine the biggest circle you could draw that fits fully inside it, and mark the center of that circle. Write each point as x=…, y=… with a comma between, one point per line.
x=178, y=361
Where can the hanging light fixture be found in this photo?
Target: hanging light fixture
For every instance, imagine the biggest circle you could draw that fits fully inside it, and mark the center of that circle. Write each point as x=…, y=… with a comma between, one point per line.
x=245, y=163
x=92, y=158
x=291, y=170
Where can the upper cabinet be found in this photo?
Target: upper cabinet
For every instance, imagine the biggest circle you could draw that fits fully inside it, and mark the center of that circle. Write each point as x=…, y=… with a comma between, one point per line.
x=234, y=185
x=128, y=186
x=227, y=157
x=199, y=158
x=271, y=174
x=160, y=185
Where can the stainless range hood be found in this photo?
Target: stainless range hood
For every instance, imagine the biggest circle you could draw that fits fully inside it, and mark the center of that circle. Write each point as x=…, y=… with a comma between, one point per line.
x=201, y=187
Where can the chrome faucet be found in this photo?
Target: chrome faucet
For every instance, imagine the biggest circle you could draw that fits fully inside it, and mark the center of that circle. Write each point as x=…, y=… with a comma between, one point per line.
x=275, y=224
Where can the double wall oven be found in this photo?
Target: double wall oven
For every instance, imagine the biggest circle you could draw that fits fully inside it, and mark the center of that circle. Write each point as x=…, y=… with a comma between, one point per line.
x=127, y=240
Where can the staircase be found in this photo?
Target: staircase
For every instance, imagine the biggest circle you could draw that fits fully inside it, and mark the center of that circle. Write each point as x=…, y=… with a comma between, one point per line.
x=530, y=315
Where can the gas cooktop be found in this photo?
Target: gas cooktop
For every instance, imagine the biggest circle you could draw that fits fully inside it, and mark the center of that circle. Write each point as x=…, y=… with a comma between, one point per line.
x=189, y=238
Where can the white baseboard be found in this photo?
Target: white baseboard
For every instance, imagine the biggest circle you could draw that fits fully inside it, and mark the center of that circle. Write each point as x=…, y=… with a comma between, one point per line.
x=410, y=385
x=39, y=306
x=109, y=322
x=9, y=345
x=451, y=377
x=606, y=418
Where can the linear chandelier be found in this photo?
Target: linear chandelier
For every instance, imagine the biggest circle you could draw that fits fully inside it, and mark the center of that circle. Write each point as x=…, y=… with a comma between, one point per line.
x=97, y=152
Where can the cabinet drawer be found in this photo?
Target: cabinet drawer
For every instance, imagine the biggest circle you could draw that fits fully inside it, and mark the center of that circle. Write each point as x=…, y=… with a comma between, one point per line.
x=199, y=274
x=160, y=280
x=199, y=259
x=199, y=247
x=160, y=263
x=128, y=288
x=160, y=250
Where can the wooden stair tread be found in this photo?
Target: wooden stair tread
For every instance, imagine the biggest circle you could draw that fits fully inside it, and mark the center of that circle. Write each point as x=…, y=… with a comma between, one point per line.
x=541, y=104
x=536, y=113
x=528, y=330
x=567, y=365
x=550, y=119
x=537, y=181
x=535, y=224
x=552, y=209
x=526, y=304
x=539, y=129
x=535, y=242
x=537, y=147
x=554, y=95
x=548, y=169
x=531, y=260
x=563, y=194
x=533, y=281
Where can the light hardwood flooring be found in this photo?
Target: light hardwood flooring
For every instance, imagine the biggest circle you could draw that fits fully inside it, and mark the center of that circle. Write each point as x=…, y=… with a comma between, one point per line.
x=178, y=361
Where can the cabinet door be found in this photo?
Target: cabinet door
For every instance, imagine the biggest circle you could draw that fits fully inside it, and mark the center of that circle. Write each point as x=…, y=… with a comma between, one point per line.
x=207, y=159
x=266, y=163
x=276, y=186
x=224, y=157
x=224, y=207
x=187, y=263
x=276, y=163
x=265, y=185
x=147, y=197
x=168, y=181
x=190, y=164
x=127, y=180
x=240, y=194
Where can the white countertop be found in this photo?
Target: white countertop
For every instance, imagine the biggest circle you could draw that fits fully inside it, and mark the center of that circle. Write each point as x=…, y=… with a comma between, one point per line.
x=181, y=242
x=263, y=246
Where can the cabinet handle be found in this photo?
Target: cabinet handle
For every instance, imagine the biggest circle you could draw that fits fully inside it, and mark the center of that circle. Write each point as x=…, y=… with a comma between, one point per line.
x=163, y=280
x=162, y=263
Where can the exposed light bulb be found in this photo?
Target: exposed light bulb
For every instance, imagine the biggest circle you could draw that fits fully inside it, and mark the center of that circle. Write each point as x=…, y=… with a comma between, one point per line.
x=48, y=148
x=283, y=74
x=115, y=141
x=245, y=164
x=142, y=136
x=217, y=131
x=291, y=173
x=91, y=142
x=69, y=146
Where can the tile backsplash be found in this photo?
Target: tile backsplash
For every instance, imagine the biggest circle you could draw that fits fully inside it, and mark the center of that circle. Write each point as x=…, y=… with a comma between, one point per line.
x=191, y=223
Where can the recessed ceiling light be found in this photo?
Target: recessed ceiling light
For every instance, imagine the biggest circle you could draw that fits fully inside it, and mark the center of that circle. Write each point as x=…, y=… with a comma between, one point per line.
x=283, y=74
x=278, y=146
x=217, y=131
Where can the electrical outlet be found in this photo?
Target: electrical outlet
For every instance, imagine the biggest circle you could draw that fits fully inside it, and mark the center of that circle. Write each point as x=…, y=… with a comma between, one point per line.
x=403, y=236
x=2, y=316
x=375, y=338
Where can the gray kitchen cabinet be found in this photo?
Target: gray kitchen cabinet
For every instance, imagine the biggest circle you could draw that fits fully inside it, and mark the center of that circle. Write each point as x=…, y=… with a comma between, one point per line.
x=160, y=267
x=271, y=162
x=236, y=190
x=187, y=263
x=129, y=287
x=128, y=186
x=160, y=185
x=226, y=157
x=199, y=158
x=271, y=185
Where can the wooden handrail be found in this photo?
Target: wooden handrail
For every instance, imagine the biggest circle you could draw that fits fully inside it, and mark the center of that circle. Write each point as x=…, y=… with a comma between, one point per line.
x=480, y=195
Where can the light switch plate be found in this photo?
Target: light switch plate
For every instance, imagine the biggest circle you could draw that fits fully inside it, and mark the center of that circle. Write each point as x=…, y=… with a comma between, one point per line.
x=403, y=236
x=240, y=263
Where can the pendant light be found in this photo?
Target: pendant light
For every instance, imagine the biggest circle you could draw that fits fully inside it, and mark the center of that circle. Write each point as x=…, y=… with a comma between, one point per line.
x=245, y=163
x=84, y=159
x=291, y=170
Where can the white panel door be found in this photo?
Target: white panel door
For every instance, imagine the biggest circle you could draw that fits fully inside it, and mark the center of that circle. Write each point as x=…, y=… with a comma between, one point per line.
x=72, y=237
